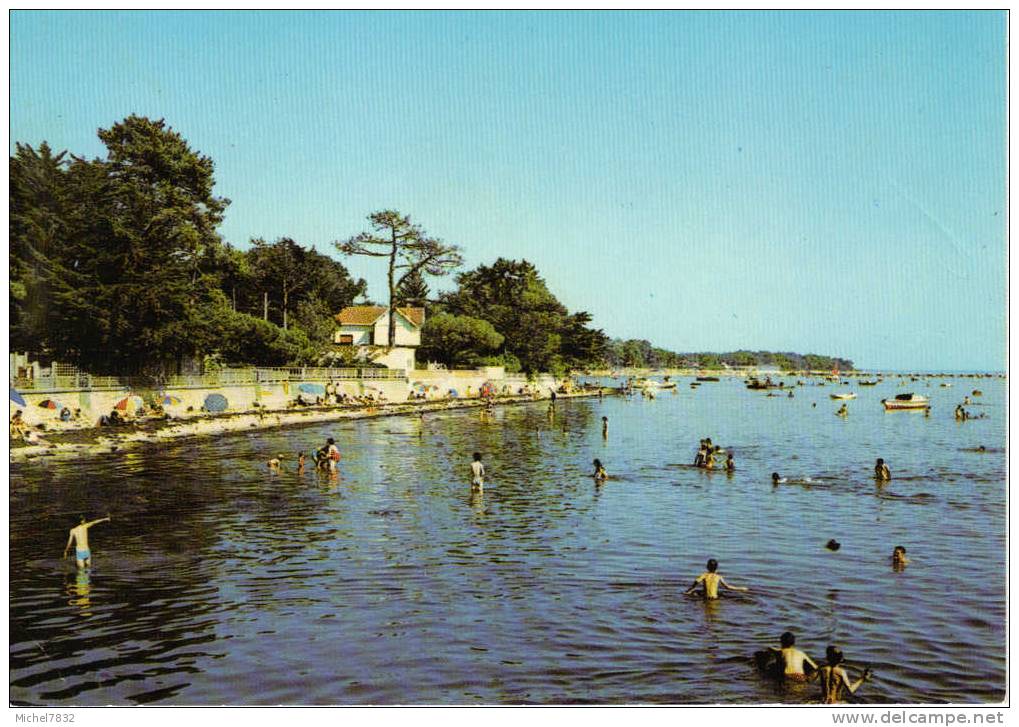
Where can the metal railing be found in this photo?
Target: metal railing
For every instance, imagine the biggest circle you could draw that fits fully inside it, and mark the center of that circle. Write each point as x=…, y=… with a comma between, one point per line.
x=61, y=377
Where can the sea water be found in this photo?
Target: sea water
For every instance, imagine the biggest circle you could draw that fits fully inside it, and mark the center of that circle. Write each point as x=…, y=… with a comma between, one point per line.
x=218, y=582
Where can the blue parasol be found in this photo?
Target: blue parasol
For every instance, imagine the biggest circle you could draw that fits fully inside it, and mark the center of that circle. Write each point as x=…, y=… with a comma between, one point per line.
x=215, y=402
x=17, y=398
x=317, y=389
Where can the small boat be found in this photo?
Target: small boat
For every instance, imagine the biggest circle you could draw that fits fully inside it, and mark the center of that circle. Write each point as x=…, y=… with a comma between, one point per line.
x=867, y=383
x=945, y=385
x=906, y=401
x=758, y=384
x=843, y=396
x=707, y=378
x=652, y=384
x=977, y=392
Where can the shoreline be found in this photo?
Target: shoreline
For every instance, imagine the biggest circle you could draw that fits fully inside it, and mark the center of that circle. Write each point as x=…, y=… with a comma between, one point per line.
x=94, y=442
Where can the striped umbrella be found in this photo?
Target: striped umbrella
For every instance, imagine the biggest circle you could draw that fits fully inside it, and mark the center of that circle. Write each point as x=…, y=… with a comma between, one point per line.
x=169, y=399
x=133, y=401
x=50, y=404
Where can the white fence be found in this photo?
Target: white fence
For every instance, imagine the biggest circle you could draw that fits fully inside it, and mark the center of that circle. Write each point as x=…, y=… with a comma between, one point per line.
x=62, y=377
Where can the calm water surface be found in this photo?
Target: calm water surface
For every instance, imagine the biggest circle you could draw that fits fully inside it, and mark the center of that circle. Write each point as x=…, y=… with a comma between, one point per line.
x=218, y=583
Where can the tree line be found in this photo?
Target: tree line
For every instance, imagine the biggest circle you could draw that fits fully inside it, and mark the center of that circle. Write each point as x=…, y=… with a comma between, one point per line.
x=116, y=264
x=117, y=267
x=636, y=353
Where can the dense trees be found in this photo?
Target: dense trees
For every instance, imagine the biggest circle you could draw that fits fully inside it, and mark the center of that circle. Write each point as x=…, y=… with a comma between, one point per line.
x=458, y=341
x=641, y=354
x=116, y=264
x=539, y=333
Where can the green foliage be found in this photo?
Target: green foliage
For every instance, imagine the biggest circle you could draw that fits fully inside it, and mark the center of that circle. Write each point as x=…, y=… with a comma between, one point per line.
x=641, y=354
x=116, y=265
x=457, y=341
x=413, y=291
x=538, y=330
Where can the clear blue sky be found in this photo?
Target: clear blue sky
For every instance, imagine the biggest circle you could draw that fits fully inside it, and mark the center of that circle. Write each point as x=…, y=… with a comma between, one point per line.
x=814, y=182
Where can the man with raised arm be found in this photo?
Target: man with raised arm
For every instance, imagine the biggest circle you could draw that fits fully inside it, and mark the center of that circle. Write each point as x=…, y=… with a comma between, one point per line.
x=79, y=536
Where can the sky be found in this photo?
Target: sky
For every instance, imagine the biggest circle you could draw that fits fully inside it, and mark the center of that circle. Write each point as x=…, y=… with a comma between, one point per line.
x=817, y=182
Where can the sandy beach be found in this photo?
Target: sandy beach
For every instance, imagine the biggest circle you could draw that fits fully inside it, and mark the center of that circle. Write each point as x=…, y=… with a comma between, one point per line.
x=95, y=441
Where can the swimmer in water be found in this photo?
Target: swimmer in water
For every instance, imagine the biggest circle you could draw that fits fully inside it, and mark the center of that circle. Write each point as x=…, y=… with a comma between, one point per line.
x=835, y=679
x=881, y=471
x=79, y=536
x=899, y=559
x=477, y=473
x=730, y=464
x=600, y=475
x=792, y=658
x=604, y=427
x=712, y=580
x=843, y=411
x=274, y=464
x=777, y=480
x=300, y=463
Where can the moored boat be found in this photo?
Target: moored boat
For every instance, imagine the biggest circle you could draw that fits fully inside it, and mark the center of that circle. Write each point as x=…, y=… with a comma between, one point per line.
x=906, y=401
x=843, y=396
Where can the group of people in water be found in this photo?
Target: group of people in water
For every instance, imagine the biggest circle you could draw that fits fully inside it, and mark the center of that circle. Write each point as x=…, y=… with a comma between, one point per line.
x=709, y=457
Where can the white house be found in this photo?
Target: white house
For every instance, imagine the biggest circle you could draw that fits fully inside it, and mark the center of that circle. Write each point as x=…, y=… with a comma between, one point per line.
x=368, y=325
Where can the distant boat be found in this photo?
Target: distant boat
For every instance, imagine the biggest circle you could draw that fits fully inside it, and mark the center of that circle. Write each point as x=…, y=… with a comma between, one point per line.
x=758, y=384
x=867, y=383
x=945, y=385
x=906, y=401
x=652, y=384
x=707, y=378
x=843, y=396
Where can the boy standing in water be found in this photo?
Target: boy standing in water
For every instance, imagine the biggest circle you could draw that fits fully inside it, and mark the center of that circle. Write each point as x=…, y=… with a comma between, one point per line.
x=712, y=580
x=79, y=536
x=792, y=658
x=835, y=680
x=881, y=471
x=478, y=473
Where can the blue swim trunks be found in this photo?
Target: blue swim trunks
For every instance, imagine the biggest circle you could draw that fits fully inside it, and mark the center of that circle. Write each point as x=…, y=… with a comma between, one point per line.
x=83, y=554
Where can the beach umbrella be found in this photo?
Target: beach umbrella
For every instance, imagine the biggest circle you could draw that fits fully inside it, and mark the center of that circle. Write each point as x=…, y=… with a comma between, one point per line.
x=50, y=404
x=17, y=398
x=133, y=400
x=215, y=402
x=316, y=389
x=454, y=393
x=169, y=400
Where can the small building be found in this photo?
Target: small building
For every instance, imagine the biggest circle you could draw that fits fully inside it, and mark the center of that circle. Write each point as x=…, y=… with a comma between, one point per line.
x=366, y=327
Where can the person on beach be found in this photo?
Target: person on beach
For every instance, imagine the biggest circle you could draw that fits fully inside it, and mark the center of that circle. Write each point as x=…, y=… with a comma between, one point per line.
x=79, y=537
x=792, y=659
x=600, y=475
x=834, y=678
x=18, y=426
x=899, y=559
x=712, y=580
x=881, y=471
x=477, y=473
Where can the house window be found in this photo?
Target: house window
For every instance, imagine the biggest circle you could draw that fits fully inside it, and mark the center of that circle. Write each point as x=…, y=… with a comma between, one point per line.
x=346, y=339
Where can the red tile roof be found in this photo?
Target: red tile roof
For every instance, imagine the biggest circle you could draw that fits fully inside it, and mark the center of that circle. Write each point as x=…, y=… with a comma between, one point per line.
x=366, y=315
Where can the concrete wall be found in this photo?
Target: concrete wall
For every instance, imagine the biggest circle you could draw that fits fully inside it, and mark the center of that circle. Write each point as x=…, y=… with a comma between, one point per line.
x=97, y=402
